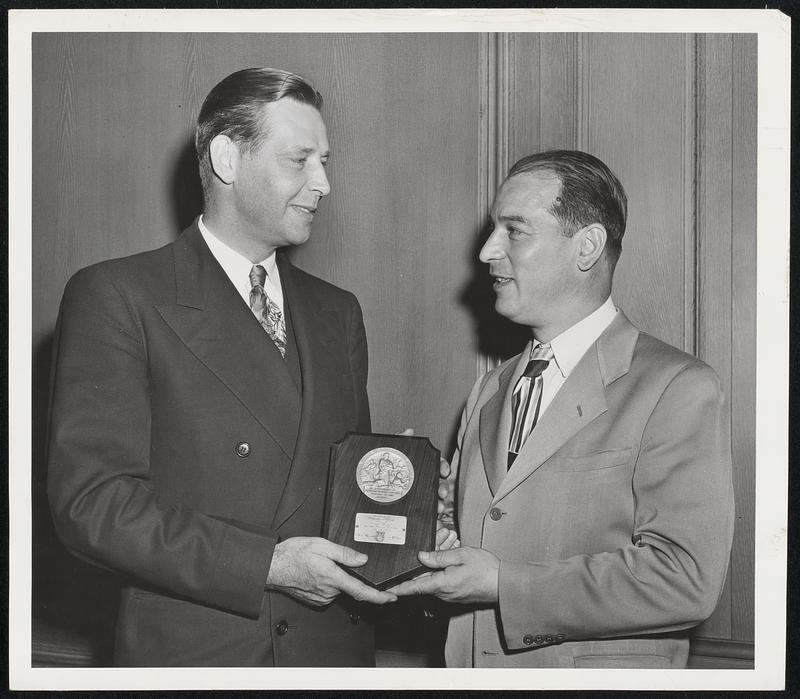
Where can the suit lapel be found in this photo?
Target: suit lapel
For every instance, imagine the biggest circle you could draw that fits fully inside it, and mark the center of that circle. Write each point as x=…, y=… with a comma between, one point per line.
x=211, y=319
x=579, y=401
x=495, y=422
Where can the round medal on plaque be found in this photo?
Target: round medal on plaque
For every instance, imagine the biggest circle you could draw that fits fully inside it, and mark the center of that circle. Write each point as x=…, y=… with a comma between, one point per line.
x=382, y=495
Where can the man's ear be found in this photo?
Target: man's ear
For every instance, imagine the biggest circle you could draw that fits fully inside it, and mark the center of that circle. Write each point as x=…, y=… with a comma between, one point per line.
x=592, y=244
x=224, y=156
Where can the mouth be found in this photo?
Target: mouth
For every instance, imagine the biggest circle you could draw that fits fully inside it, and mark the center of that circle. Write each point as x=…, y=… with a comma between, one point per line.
x=306, y=210
x=499, y=281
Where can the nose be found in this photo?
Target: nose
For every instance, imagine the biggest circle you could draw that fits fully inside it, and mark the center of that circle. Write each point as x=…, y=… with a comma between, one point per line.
x=319, y=181
x=493, y=248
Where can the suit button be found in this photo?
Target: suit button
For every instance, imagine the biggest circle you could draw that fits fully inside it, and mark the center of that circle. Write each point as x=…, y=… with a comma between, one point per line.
x=243, y=449
x=354, y=618
x=282, y=627
x=538, y=640
x=495, y=514
x=548, y=638
x=527, y=639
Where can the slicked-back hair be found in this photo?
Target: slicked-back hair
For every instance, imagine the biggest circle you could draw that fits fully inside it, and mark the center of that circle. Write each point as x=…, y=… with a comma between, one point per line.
x=235, y=108
x=590, y=193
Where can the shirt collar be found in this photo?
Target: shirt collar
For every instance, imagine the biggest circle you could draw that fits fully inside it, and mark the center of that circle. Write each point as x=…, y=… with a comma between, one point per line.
x=236, y=265
x=571, y=345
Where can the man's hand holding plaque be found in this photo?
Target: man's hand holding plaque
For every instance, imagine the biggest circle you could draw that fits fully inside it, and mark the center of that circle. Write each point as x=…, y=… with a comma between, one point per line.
x=306, y=568
x=466, y=575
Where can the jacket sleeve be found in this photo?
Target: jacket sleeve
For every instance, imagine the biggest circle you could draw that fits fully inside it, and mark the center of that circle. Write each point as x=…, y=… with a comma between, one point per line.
x=104, y=507
x=671, y=574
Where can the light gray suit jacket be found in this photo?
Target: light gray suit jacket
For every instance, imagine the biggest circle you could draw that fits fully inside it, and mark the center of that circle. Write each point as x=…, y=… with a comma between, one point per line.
x=614, y=525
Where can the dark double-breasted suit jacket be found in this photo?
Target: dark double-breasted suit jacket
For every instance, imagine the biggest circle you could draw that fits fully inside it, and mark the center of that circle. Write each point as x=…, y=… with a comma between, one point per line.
x=183, y=447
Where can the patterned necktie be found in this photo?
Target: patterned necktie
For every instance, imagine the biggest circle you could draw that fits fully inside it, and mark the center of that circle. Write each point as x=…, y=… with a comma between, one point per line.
x=266, y=310
x=526, y=399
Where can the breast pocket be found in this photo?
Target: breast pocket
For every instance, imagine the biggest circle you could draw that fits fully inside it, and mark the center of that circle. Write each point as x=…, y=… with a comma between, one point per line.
x=586, y=501
x=595, y=461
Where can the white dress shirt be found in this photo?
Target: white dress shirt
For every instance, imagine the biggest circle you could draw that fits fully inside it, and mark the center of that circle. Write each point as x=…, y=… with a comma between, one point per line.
x=570, y=346
x=238, y=267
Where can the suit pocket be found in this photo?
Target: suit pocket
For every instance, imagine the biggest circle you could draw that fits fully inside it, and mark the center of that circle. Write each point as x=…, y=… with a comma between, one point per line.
x=628, y=661
x=596, y=461
x=163, y=631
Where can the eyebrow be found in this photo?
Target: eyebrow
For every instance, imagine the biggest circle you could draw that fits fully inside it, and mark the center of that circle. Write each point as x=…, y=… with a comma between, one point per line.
x=305, y=150
x=513, y=217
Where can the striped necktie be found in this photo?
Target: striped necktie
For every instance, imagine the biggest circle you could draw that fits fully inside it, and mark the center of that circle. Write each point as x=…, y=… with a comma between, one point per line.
x=526, y=399
x=266, y=310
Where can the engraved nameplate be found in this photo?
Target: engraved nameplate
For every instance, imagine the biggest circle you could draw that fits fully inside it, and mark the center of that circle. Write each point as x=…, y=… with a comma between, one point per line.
x=380, y=529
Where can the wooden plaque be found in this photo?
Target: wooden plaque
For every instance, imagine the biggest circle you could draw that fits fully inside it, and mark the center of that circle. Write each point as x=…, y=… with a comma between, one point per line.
x=382, y=495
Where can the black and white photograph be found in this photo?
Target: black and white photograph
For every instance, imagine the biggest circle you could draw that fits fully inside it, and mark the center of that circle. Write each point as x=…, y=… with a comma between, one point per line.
x=407, y=346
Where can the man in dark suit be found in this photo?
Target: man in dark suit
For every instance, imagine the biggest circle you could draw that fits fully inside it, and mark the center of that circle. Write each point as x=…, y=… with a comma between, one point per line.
x=594, y=498
x=197, y=390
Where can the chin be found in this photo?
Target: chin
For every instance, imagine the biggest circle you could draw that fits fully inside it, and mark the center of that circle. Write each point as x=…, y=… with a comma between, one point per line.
x=505, y=309
x=298, y=237
x=512, y=314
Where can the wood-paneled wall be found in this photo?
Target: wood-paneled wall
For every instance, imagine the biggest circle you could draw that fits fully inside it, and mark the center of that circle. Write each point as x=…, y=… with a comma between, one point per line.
x=423, y=128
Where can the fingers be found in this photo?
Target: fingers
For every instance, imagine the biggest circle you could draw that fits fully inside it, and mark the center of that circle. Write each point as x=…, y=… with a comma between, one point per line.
x=343, y=554
x=305, y=568
x=423, y=585
x=365, y=593
x=407, y=432
x=343, y=582
x=444, y=468
x=440, y=559
x=446, y=539
x=361, y=592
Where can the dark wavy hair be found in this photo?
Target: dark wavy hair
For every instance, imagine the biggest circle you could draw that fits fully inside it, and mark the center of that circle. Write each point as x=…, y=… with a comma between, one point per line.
x=234, y=107
x=590, y=193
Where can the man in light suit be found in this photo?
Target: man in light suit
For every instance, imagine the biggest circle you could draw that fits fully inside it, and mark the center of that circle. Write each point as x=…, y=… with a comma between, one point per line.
x=593, y=499
x=196, y=393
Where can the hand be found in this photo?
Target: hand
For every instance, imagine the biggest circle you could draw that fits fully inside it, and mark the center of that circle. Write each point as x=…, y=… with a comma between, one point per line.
x=305, y=568
x=446, y=539
x=466, y=575
x=446, y=506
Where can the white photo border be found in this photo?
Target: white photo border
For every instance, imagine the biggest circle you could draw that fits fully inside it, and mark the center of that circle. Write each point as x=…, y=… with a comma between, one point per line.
x=773, y=29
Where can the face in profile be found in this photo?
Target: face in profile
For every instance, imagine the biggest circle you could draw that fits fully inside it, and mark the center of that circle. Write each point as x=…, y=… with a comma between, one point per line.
x=532, y=262
x=278, y=185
